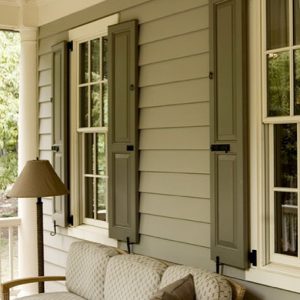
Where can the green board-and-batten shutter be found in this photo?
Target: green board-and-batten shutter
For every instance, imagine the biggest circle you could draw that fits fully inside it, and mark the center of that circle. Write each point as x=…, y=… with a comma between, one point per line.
x=229, y=171
x=123, y=131
x=60, y=127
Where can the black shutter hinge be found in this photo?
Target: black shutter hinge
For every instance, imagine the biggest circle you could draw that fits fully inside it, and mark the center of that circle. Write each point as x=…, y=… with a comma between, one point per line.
x=252, y=256
x=211, y=75
x=128, y=245
x=70, y=46
x=218, y=264
x=220, y=147
x=70, y=219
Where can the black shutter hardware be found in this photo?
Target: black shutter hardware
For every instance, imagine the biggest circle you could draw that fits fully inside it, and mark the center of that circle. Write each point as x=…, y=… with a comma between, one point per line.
x=253, y=257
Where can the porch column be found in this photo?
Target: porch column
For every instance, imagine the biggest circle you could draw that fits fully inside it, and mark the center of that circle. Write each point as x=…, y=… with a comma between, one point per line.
x=28, y=151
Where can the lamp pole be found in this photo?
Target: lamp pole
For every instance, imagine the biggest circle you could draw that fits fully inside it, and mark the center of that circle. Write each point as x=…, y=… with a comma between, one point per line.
x=38, y=179
x=40, y=241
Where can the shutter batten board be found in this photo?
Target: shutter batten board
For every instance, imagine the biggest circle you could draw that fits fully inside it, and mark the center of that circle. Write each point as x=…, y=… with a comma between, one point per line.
x=123, y=131
x=60, y=127
x=229, y=178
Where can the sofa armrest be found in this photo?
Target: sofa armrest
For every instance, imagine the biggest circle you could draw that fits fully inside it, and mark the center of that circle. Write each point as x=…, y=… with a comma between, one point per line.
x=6, y=286
x=238, y=291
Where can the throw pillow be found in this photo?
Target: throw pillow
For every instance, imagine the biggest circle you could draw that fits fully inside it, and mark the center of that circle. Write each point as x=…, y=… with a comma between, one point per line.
x=182, y=289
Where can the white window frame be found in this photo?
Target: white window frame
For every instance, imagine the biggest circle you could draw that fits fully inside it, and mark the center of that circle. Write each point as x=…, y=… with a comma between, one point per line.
x=270, y=274
x=269, y=137
x=80, y=230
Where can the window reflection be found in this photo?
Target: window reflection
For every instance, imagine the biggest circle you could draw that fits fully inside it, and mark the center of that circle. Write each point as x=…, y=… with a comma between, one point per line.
x=285, y=155
x=286, y=223
x=278, y=84
x=84, y=106
x=297, y=81
x=296, y=22
x=83, y=63
x=95, y=60
x=277, y=24
x=95, y=106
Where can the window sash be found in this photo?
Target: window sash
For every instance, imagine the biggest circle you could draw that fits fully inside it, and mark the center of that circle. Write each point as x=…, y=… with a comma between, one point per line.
x=89, y=129
x=291, y=48
x=274, y=256
x=269, y=122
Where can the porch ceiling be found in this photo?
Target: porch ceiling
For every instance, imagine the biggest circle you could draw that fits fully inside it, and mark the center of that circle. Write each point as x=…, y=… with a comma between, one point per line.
x=33, y=13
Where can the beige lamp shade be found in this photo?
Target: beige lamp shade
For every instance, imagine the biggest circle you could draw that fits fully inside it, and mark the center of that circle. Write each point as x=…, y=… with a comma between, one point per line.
x=38, y=179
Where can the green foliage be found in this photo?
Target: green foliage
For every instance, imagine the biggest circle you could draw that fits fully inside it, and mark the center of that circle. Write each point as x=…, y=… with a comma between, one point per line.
x=278, y=84
x=9, y=96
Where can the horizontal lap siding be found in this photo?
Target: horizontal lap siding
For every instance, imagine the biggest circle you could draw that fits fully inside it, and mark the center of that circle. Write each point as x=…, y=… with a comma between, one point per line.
x=175, y=251
x=180, y=69
x=190, y=185
x=190, y=91
x=174, y=133
x=177, y=207
x=189, y=138
x=187, y=115
x=174, y=25
x=175, y=161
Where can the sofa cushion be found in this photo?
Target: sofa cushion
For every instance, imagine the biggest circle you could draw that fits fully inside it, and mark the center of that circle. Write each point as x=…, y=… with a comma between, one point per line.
x=86, y=269
x=182, y=289
x=51, y=296
x=133, y=277
x=208, y=286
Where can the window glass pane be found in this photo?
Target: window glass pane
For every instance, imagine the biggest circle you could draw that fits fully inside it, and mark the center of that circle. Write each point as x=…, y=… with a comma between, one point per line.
x=83, y=62
x=105, y=104
x=101, y=199
x=89, y=153
x=104, y=57
x=296, y=22
x=278, y=84
x=285, y=155
x=297, y=81
x=84, y=107
x=277, y=23
x=101, y=154
x=95, y=105
x=286, y=223
x=95, y=60
x=88, y=196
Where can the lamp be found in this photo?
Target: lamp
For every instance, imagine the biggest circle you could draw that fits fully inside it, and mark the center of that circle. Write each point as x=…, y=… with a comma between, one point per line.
x=38, y=179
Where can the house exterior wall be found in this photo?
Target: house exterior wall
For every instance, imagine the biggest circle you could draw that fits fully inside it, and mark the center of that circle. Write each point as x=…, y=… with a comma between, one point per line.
x=174, y=131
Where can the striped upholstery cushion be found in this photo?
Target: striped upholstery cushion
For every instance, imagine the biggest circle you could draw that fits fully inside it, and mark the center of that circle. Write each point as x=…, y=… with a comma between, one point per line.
x=86, y=269
x=133, y=277
x=51, y=296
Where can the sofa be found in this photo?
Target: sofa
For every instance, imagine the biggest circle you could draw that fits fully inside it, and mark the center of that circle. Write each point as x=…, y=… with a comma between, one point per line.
x=96, y=272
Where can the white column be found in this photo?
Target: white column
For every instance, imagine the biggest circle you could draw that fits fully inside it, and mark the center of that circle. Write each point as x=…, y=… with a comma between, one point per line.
x=28, y=151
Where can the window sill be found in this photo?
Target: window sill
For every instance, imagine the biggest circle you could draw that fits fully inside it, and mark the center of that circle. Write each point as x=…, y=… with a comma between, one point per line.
x=275, y=275
x=92, y=234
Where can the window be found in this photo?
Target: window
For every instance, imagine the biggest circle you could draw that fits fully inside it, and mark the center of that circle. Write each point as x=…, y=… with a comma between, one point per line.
x=281, y=117
x=89, y=121
x=92, y=126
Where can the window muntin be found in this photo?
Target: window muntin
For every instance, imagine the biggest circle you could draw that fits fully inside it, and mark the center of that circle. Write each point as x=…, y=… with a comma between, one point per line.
x=92, y=127
x=282, y=102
